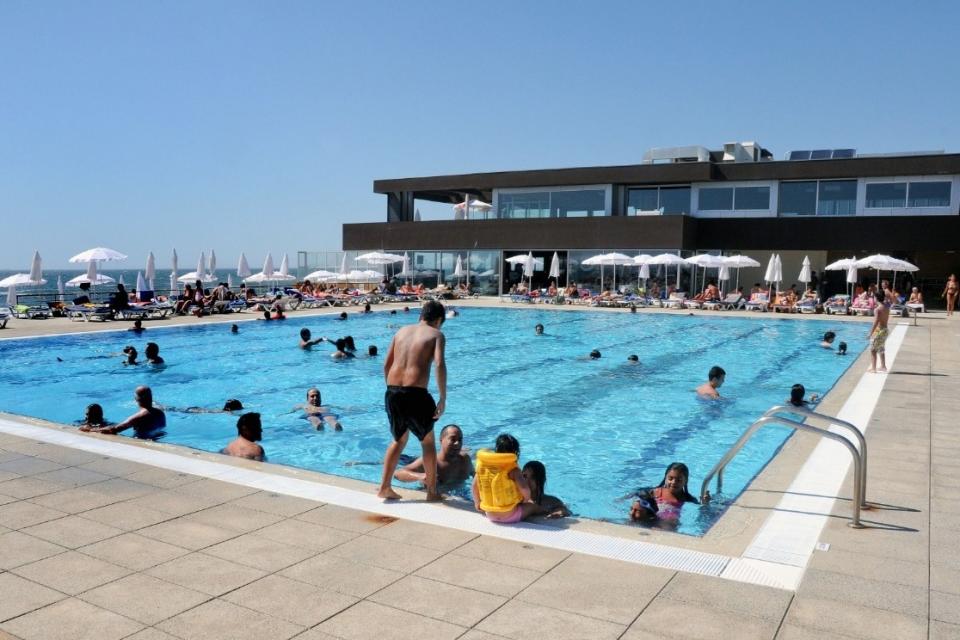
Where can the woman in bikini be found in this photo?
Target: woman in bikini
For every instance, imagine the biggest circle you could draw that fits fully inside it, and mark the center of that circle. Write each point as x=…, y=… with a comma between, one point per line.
x=950, y=293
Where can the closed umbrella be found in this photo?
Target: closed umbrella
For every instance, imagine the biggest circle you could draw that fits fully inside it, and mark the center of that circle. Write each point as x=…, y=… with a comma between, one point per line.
x=60, y=290
x=805, y=271
x=36, y=271
x=771, y=273
x=151, y=273
x=141, y=286
x=852, y=277
x=243, y=269
x=405, y=270
x=779, y=269
x=644, y=273
x=458, y=269
x=724, y=275
x=343, y=264
x=201, y=268
x=173, y=273
x=555, y=268
x=121, y=282
x=229, y=281
x=528, y=267
x=12, y=296
x=284, y=272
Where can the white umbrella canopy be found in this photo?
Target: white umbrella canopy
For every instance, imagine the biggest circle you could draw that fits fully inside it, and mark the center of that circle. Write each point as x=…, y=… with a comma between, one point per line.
x=378, y=257
x=841, y=265
x=805, y=271
x=141, y=284
x=201, y=271
x=60, y=285
x=319, y=275
x=101, y=254
x=724, y=274
x=343, y=265
x=20, y=278
x=770, y=275
x=473, y=203
x=121, y=282
x=212, y=263
x=174, y=288
x=555, y=267
x=243, y=269
x=192, y=277
x=779, y=266
x=613, y=259
x=669, y=259
x=12, y=295
x=706, y=260
x=284, y=271
x=98, y=279
x=518, y=259
x=458, y=270
x=36, y=270
x=738, y=262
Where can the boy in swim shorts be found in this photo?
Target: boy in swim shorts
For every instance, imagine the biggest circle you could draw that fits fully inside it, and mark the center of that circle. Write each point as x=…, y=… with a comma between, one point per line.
x=878, y=337
x=409, y=406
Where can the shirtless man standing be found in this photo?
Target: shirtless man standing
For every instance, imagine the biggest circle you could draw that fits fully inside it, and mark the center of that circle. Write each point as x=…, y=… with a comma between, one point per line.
x=409, y=405
x=714, y=381
x=878, y=337
x=453, y=464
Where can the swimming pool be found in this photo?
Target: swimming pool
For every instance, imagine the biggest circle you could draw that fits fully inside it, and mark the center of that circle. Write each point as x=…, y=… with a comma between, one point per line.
x=602, y=427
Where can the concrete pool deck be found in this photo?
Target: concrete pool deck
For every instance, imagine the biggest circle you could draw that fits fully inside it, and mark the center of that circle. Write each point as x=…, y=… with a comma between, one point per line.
x=97, y=546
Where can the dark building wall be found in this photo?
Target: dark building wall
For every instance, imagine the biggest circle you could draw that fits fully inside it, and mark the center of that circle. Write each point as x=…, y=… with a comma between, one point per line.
x=653, y=232
x=857, y=233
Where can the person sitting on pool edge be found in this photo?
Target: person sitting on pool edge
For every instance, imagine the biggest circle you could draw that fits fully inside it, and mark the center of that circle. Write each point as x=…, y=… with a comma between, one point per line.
x=148, y=422
x=316, y=413
x=453, y=464
x=93, y=417
x=797, y=392
x=828, y=339
x=249, y=433
x=499, y=489
x=715, y=379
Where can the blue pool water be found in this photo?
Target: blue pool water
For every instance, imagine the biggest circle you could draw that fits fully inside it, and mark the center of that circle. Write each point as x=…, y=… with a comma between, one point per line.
x=603, y=428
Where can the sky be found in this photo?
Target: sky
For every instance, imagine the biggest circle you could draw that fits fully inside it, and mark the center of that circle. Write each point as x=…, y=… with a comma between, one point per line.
x=261, y=126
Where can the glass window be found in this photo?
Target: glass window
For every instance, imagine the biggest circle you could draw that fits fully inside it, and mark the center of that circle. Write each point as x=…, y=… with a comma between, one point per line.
x=675, y=199
x=798, y=198
x=524, y=205
x=886, y=195
x=929, y=194
x=752, y=198
x=837, y=198
x=716, y=199
x=578, y=204
x=642, y=200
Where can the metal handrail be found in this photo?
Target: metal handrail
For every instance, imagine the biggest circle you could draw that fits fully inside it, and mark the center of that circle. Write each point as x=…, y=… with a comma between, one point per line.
x=861, y=441
x=858, y=494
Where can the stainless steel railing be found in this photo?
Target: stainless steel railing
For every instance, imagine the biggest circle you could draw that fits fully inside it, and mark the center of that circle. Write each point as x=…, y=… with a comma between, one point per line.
x=770, y=417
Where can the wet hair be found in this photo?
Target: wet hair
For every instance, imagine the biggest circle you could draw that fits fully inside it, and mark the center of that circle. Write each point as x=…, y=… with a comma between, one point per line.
x=595, y=354
x=539, y=473
x=94, y=414
x=234, y=329
x=349, y=343
x=372, y=350
x=633, y=358
x=647, y=502
x=393, y=312
x=340, y=344
x=432, y=311
x=829, y=336
x=366, y=308
x=304, y=334
x=715, y=372
x=538, y=328
x=680, y=468
x=633, y=308
x=248, y=421
x=131, y=353
x=143, y=394
x=319, y=395
x=797, y=392
x=266, y=314
x=842, y=349
x=152, y=350
x=138, y=323
x=232, y=405
x=343, y=315
x=506, y=443
x=450, y=426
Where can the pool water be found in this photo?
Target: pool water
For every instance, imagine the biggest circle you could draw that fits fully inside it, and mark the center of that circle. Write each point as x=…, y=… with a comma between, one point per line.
x=602, y=427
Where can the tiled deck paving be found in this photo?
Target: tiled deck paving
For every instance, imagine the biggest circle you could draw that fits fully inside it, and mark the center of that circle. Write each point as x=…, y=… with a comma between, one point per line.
x=94, y=547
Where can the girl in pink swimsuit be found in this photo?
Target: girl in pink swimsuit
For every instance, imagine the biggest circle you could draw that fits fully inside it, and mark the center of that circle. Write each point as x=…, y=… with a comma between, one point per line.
x=672, y=492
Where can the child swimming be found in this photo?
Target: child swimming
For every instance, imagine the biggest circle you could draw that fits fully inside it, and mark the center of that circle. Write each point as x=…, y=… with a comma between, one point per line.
x=499, y=489
x=669, y=496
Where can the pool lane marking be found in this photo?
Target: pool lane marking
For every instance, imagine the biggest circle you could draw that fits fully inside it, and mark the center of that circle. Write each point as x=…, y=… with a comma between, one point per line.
x=634, y=551
x=791, y=532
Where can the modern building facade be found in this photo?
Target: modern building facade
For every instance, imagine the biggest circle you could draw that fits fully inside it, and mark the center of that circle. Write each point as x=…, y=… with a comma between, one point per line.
x=827, y=204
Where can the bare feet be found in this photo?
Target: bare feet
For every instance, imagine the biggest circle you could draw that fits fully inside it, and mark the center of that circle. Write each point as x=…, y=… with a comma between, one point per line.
x=882, y=370
x=871, y=370
x=434, y=497
x=388, y=494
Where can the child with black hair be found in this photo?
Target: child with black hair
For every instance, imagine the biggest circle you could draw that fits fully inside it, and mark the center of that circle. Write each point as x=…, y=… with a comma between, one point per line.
x=131, y=355
x=672, y=493
x=500, y=491
x=550, y=506
x=797, y=392
x=93, y=417
x=842, y=349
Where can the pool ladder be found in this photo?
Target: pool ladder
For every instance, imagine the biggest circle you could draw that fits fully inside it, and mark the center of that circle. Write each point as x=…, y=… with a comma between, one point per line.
x=771, y=417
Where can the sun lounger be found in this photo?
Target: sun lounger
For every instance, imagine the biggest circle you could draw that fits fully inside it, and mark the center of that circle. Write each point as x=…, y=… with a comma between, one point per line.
x=757, y=302
x=837, y=305
x=31, y=311
x=5, y=316
x=808, y=305
x=675, y=301
x=88, y=312
x=730, y=302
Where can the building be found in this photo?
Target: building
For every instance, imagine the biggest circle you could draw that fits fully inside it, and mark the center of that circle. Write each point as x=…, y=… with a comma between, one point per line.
x=827, y=204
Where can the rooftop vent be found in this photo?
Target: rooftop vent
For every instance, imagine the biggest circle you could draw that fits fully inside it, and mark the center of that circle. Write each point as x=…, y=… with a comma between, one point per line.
x=693, y=153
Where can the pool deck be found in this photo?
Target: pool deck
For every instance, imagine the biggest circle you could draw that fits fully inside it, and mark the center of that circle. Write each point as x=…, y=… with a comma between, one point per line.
x=97, y=546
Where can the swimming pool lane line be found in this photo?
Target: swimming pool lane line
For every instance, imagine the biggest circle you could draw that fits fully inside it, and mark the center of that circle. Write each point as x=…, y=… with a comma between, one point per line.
x=791, y=532
x=777, y=556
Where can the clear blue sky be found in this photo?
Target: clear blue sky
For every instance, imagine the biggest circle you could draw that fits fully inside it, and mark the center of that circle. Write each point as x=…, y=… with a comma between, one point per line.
x=260, y=126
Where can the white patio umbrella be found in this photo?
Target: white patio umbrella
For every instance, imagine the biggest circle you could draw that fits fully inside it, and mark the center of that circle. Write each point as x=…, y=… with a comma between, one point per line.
x=36, y=270
x=463, y=208
x=343, y=264
x=841, y=265
x=669, y=259
x=201, y=268
x=243, y=269
x=173, y=272
x=12, y=295
x=141, y=285
x=100, y=254
x=738, y=262
x=644, y=273
x=458, y=270
x=770, y=275
x=284, y=271
x=20, y=278
x=805, y=271
x=517, y=259
x=613, y=259
x=706, y=261
x=212, y=268
x=555, y=268
x=229, y=281
x=378, y=257
x=416, y=216
x=319, y=275
x=192, y=276
x=120, y=281
x=724, y=275
x=528, y=268
x=97, y=280
x=60, y=290
x=405, y=269
x=151, y=272
x=882, y=262
x=852, y=277
x=779, y=269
